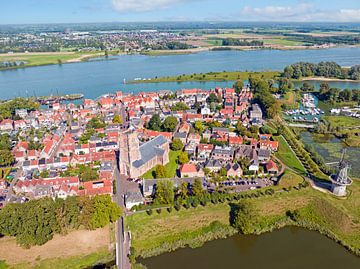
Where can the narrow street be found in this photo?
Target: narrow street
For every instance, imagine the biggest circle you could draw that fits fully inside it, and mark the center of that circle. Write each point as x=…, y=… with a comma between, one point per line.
x=122, y=238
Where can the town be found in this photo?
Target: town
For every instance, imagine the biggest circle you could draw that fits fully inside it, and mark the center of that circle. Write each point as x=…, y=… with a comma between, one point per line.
x=70, y=149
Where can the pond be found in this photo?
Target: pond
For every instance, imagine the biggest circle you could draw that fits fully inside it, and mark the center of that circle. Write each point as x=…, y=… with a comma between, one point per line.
x=330, y=148
x=288, y=248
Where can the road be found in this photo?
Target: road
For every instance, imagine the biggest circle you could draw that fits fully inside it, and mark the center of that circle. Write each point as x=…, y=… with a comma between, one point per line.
x=12, y=184
x=122, y=238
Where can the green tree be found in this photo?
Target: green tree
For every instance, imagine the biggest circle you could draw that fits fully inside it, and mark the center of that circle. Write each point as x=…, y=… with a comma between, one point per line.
x=183, y=157
x=238, y=85
x=160, y=171
x=183, y=190
x=243, y=217
x=105, y=211
x=164, y=192
x=199, y=127
x=176, y=144
x=196, y=187
x=117, y=119
x=170, y=124
x=179, y=106
x=6, y=158
x=154, y=123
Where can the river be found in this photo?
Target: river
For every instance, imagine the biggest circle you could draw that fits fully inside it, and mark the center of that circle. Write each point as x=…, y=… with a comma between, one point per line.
x=97, y=77
x=288, y=248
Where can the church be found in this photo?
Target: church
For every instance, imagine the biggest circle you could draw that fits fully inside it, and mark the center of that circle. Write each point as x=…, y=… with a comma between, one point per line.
x=136, y=159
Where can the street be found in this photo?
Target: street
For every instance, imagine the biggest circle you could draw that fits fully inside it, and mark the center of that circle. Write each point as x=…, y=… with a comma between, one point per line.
x=122, y=238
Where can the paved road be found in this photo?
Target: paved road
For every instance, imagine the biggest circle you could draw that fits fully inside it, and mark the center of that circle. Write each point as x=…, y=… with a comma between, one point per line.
x=10, y=193
x=122, y=239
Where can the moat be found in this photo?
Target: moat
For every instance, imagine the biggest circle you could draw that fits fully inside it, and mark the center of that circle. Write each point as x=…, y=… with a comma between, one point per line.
x=289, y=247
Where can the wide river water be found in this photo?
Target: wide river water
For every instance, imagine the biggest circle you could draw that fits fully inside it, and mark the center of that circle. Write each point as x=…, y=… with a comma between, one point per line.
x=288, y=248
x=100, y=76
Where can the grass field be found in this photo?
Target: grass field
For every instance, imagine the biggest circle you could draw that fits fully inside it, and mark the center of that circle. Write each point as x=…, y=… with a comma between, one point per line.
x=37, y=59
x=212, y=76
x=170, y=167
x=290, y=100
x=79, y=247
x=342, y=121
x=340, y=216
x=287, y=156
x=283, y=42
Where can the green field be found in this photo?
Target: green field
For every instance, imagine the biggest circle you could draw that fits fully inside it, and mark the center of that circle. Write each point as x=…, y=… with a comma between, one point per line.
x=287, y=156
x=170, y=167
x=212, y=76
x=37, y=59
x=342, y=121
x=283, y=42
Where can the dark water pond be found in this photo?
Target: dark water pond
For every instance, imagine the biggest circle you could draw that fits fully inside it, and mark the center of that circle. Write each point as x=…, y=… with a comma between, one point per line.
x=288, y=248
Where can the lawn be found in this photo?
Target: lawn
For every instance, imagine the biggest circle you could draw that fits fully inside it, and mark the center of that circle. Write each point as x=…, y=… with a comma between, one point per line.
x=170, y=167
x=287, y=156
x=212, y=76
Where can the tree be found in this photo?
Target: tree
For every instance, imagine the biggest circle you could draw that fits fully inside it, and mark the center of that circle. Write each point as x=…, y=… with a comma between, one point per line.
x=154, y=123
x=176, y=144
x=199, y=127
x=179, y=106
x=105, y=211
x=183, y=158
x=170, y=124
x=243, y=217
x=6, y=158
x=223, y=172
x=307, y=87
x=117, y=119
x=160, y=171
x=238, y=85
x=213, y=98
x=183, y=190
x=164, y=192
x=196, y=187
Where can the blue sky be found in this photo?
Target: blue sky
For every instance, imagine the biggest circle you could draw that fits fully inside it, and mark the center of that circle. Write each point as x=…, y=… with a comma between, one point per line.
x=57, y=11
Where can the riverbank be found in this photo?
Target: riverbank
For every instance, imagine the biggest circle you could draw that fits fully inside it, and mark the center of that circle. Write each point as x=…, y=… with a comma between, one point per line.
x=328, y=79
x=337, y=218
x=32, y=59
x=210, y=76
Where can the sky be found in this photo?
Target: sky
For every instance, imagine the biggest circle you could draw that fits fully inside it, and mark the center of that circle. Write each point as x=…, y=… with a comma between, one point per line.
x=67, y=11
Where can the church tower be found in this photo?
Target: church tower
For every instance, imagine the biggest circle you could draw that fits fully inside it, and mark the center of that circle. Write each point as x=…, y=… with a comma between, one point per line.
x=129, y=151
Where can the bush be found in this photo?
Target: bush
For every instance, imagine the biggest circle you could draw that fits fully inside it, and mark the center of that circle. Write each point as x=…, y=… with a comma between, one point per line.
x=149, y=212
x=158, y=210
x=169, y=209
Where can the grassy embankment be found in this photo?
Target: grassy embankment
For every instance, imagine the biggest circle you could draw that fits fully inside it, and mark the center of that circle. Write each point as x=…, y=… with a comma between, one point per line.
x=170, y=167
x=78, y=249
x=48, y=58
x=287, y=156
x=212, y=76
x=337, y=218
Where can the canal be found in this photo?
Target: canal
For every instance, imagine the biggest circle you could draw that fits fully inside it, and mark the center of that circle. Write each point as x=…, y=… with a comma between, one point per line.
x=288, y=248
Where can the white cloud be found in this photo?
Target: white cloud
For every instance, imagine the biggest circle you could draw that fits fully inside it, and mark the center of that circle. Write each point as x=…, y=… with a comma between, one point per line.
x=143, y=5
x=301, y=12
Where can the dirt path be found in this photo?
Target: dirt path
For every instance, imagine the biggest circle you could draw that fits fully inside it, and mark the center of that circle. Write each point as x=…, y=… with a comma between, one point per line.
x=76, y=243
